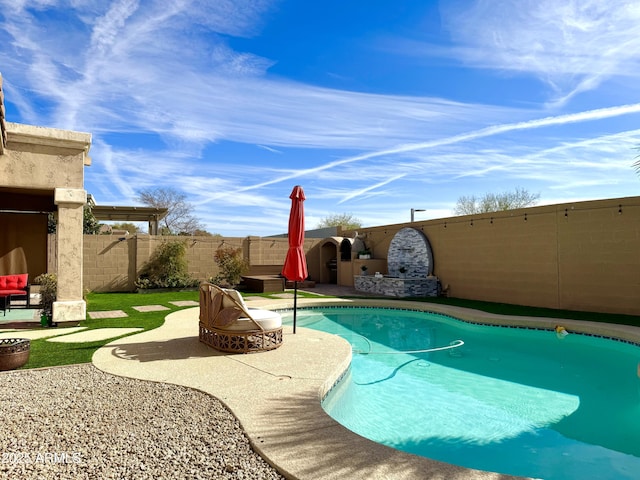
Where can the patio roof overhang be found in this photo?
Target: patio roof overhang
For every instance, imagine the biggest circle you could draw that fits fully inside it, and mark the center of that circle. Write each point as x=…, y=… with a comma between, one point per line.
x=151, y=215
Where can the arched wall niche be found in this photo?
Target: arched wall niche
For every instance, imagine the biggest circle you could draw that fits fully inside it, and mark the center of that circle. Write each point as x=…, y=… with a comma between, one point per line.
x=410, y=249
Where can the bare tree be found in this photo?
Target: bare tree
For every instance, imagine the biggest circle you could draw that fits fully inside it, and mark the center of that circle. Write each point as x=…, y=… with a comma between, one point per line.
x=495, y=202
x=346, y=220
x=128, y=226
x=179, y=219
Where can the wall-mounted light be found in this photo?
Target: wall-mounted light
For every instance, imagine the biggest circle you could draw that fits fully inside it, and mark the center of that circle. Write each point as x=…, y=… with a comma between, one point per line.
x=491, y=221
x=471, y=224
x=445, y=224
x=566, y=212
x=619, y=209
x=525, y=217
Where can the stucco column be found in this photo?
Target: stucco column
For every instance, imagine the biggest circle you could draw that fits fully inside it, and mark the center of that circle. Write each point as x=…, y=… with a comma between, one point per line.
x=70, y=305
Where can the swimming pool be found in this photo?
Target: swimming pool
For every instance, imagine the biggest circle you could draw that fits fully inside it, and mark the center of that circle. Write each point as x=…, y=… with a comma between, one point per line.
x=517, y=401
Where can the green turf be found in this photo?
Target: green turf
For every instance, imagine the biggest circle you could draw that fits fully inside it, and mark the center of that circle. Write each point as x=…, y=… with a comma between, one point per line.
x=524, y=311
x=46, y=354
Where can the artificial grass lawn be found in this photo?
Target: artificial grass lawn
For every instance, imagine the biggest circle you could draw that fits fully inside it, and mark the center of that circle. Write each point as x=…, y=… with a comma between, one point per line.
x=523, y=311
x=46, y=354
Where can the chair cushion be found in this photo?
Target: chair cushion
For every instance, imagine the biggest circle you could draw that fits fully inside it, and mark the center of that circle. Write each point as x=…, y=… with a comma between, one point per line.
x=14, y=282
x=236, y=296
x=6, y=293
x=265, y=318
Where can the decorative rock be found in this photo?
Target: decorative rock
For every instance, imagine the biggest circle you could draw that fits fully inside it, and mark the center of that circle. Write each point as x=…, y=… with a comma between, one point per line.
x=79, y=422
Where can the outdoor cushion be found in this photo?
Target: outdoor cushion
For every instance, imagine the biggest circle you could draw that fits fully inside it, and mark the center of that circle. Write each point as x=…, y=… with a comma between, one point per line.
x=265, y=318
x=5, y=293
x=235, y=295
x=14, y=282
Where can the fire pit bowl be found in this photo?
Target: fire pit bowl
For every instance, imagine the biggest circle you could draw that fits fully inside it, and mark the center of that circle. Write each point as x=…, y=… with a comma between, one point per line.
x=14, y=352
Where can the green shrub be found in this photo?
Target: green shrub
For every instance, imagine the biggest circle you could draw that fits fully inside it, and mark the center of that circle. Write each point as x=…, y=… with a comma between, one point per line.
x=167, y=268
x=48, y=291
x=232, y=266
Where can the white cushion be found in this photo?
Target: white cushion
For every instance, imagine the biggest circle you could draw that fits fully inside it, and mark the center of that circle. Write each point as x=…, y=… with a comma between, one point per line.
x=265, y=318
x=235, y=295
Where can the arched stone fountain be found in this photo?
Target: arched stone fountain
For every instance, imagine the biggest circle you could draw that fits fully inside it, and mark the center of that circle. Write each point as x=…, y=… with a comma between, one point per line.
x=410, y=266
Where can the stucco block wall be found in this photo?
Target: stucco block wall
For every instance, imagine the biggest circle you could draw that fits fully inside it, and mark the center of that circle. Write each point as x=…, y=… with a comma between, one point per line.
x=264, y=251
x=579, y=256
x=505, y=259
x=114, y=265
x=267, y=251
x=106, y=263
x=600, y=258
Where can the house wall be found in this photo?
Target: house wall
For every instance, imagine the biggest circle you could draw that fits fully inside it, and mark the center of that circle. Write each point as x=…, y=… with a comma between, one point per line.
x=25, y=162
x=43, y=171
x=23, y=244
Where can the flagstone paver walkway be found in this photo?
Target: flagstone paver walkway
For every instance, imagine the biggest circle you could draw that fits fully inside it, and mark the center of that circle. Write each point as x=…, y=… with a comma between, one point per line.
x=151, y=308
x=283, y=295
x=108, y=314
x=249, y=298
x=185, y=303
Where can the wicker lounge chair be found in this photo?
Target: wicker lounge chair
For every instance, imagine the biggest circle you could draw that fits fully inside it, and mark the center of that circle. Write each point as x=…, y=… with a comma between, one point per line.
x=228, y=325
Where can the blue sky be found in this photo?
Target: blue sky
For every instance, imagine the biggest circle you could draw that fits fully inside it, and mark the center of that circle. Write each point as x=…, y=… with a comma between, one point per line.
x=373, y=107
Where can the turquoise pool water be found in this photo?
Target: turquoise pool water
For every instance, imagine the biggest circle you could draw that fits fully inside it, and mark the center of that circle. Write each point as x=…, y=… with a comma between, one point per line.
x=517, y=401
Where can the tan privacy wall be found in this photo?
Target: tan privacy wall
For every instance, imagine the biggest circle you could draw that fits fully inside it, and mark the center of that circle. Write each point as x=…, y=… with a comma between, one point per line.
x=112, y=263
x=580, y=256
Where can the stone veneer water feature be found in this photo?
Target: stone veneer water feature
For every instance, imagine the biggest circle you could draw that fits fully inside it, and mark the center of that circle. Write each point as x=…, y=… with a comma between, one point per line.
x=410, y=251
x=396, y=286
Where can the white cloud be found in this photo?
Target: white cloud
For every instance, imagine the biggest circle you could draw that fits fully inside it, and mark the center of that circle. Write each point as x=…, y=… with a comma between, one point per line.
x=572, y=45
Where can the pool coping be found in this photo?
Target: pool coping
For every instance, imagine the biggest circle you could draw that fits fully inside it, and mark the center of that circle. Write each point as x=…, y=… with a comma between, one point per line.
x=276, y=395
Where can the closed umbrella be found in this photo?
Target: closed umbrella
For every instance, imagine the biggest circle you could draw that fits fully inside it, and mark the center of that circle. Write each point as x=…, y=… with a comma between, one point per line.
x=295, y=264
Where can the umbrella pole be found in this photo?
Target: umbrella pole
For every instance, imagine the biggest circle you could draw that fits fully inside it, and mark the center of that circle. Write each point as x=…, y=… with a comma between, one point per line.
x=295, y=304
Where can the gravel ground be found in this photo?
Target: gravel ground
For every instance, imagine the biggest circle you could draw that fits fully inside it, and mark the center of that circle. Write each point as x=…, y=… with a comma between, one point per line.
x=77, y=422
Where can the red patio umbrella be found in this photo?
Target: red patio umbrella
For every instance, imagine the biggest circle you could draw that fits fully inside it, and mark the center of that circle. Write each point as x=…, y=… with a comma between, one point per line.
x=295, y=264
